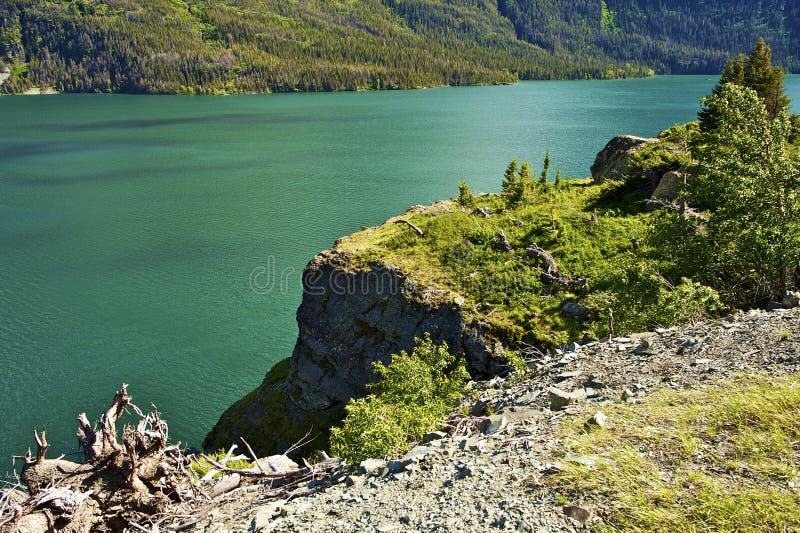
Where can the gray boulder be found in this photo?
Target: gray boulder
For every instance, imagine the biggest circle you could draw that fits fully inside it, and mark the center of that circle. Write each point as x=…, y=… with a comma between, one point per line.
x=612, y=161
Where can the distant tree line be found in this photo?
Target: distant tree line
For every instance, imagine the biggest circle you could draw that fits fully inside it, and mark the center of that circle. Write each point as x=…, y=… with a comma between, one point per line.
x=242, y=46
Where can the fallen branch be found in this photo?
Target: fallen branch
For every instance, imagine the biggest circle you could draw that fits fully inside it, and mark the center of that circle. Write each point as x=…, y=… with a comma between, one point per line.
x=504, y=244
x=483, y=212
x=412, y=226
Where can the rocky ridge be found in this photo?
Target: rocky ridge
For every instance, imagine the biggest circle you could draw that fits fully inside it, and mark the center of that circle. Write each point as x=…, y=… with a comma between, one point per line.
x=350, y=316
x=486, y=472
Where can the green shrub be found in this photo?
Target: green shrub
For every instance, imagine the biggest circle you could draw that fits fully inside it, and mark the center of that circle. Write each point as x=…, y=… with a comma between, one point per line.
x=416, y=391
x=465, y=197
x=642, y=298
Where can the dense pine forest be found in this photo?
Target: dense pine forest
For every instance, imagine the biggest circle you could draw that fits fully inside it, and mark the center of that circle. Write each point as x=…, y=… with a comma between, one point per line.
x=235, y=46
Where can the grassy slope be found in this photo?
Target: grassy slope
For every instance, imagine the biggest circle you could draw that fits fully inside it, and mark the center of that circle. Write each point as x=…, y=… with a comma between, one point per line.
x=722, y=458
x=588, y=234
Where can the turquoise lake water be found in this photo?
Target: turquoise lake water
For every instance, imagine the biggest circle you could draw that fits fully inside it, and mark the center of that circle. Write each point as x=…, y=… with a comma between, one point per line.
x=130, y=226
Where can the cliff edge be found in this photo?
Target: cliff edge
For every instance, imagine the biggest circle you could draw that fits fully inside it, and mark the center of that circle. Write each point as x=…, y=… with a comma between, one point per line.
x=352, y=314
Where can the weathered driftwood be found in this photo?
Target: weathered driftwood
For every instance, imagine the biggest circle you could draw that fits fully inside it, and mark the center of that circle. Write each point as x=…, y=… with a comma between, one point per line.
x=549, y=265
x=503, y=242
x=416, y=229
x=580, y=284
x=136, y=483
x=483, y=212
x=550, y=275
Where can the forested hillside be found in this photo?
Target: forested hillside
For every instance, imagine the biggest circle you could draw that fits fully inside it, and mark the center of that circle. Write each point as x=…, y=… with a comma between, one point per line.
x=671, y=36
x=269, y=45
x=230, y=46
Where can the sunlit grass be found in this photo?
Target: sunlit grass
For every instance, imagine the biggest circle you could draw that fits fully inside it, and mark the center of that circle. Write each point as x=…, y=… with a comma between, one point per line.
x=722, y=458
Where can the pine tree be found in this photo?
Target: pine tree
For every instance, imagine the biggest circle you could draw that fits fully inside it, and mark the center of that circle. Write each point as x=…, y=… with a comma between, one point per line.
x=510, y=177
x=465, y=196
x=766, y=80
x=513, y=186
x=557, y=182
x=733, y=71
x=546, y=169
x=757, y=73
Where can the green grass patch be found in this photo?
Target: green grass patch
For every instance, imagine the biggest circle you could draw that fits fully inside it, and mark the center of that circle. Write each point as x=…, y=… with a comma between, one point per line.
x=590, y=231
x=721, y=458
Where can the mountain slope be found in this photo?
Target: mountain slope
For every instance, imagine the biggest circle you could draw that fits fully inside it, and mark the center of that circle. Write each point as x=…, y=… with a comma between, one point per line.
x=228, y=46
x=268, y=45
x=671, y=36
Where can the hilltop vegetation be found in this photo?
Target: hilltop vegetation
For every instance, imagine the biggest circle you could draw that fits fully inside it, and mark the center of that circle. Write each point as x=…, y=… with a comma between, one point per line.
x=546, y=262
x=234, y=46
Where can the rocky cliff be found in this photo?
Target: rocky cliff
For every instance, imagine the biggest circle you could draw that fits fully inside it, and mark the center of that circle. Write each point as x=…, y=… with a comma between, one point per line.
x=359, y=307
x=351, y=315
x=503, y=471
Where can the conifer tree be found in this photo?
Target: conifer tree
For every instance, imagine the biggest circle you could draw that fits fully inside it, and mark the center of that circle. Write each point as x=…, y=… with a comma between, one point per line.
x=557, y=182
x=546, y=169
x=755, y=72
x=513, y=188
x=766, y=80
x=510, y=176
x=525, y=183
x=525, y=172
x=465, y=196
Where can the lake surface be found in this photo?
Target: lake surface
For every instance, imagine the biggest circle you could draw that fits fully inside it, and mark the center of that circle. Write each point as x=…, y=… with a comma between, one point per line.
x=130, y=226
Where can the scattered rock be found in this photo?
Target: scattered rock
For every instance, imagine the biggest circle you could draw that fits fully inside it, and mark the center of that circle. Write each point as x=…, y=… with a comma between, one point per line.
x=597, y=420
x=567, y=375
x=371, y=467
x=628, y=396
x=589, y=461
x=575, y=310
x=276, y=463
x=580, y=514
x=559, y=399
x=612, y=161
x=478, y=408
x=493, y=424
x=352, y=481
x=791, y=300
x=432, y=436
x=264, y=515
x=669, y=185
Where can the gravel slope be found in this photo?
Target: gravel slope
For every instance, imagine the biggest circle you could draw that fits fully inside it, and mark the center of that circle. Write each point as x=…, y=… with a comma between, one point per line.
x=485, y=474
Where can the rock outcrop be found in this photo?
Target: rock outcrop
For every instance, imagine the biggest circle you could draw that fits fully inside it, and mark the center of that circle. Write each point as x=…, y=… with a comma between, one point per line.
x=612, y=161
x=669, y=184
x=350, y=316
x=493, y=473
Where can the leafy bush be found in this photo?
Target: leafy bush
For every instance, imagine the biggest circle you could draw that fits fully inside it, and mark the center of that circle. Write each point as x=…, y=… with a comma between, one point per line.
x=642, y=298
x=416, y=391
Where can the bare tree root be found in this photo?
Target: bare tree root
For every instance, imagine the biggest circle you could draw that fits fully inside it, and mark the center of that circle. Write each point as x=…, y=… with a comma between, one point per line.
x=138, y=484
